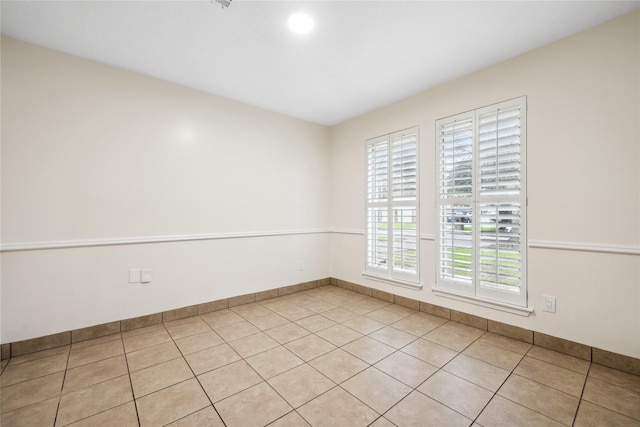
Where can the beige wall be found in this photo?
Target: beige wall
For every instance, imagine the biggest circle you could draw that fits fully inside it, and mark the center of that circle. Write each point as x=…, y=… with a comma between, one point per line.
x=92, y=153
x=583, y=181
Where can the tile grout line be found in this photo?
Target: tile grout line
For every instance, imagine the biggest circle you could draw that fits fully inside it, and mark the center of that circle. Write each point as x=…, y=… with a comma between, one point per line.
x=64, y=377
x=126, y=359
x=521, y=405
x=194, y=374
x=584, y=386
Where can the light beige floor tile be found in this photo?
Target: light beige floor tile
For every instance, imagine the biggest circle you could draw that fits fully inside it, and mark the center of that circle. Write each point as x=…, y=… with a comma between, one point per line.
x=591, y=415
x=454, y=335
x=95, y=341
x=337, y=408
x=253, y=344
x=610, y=396
x=138, y=342
x=339, y=314
x=497, y=356
x=36, y=415
x=309, y=347
x=364, y=325
x=503, y=412
x=278, y=304
x=288, y=332
x=211, y=358
x=385, y=315
x=295, y=313
x=251, y=311
x=506, y=343
x=147, y=329
x=430, y=352
x=393, y=337
x=199, y=342
x=419, y=324
x=400, y=309
x=228, y=380
x=382, y=422
x=368, y=349
x=38, y=355
x=406, y=368
x=94, y=373
x=29, y=392
x=33, y=369
x=157, y=377
x=556, y=405
x=236, y=331
x=454, y=392
x=274, y=362
x=419, y=410
x=319, y=306
x=367, y=305
x=478, y=372
x=301, y=299
x=171, y=404
x=92, y=400
x=350, y=298
x=554, y=376
x=292, y=419
x=152, y=356
x=121, y=416
x=221, y=318
x=83, y=356
x=613, y=376
x=571, y=363
x=338, y=365
x=269, y=321
x=339, y=335
x=300, y=385
x=207, y=417
x=256, y=406
x=315, y=323
x=377, y=389
x=186, y=327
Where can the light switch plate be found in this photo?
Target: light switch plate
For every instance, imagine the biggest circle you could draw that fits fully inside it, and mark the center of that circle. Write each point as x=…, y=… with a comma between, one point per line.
x=145, y=275
x=134, y=275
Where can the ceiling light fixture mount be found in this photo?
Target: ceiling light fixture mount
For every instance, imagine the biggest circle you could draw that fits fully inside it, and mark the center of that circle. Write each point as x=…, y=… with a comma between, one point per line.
x=224, y=3
x=301, y=22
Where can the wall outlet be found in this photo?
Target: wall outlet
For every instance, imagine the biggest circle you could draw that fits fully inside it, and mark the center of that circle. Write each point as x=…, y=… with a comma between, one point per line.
x=300, y=265
x=134, y=275
x=548, y=303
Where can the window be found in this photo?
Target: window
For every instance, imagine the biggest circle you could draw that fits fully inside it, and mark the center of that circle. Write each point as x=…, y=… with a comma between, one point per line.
x=481, y=203
x=392, y=207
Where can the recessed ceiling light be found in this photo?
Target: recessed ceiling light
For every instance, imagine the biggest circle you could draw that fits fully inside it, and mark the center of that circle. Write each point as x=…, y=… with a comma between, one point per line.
x=301, y=22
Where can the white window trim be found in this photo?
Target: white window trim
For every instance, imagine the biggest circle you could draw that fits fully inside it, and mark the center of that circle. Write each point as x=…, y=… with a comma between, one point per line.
x=411, y=281
x=473, y=292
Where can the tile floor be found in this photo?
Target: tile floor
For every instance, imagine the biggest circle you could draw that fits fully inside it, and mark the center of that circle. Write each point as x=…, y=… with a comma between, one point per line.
x=324, y=357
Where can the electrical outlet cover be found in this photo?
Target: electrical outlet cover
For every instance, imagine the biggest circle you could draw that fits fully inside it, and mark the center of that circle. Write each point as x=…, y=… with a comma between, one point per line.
x=548, y=303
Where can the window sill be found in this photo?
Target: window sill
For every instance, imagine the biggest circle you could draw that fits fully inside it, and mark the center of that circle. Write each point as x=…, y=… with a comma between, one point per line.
x=513, y=309
x=395, y=282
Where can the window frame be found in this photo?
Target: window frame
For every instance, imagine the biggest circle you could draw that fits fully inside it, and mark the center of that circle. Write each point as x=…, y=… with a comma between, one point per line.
x=391, y=205
x=472, y=288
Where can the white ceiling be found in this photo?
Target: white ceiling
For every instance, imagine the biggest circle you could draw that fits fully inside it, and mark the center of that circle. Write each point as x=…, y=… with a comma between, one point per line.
x=362, y=54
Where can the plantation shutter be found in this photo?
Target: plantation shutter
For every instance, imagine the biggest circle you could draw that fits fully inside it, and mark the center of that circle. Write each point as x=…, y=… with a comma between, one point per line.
x=392, y=206
x=481, y=203
x=501, y=202
x=455, y=213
